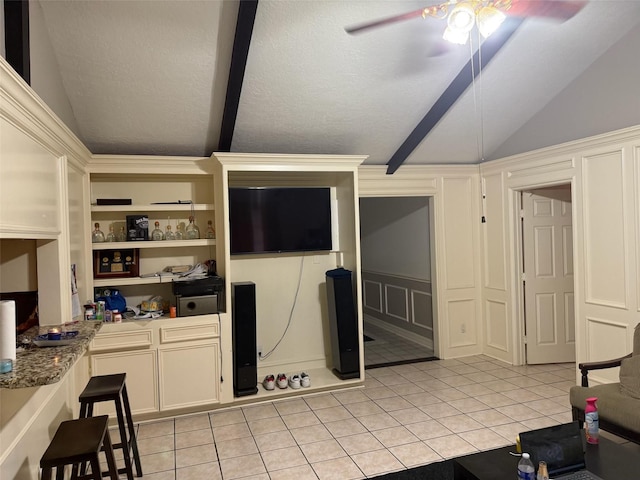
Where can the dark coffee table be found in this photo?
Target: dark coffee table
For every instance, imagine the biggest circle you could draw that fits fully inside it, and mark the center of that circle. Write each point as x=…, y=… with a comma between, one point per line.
x=608, y=459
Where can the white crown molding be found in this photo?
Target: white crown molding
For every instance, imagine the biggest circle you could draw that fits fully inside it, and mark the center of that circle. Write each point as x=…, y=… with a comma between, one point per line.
x=25, y=110
x=567, y=150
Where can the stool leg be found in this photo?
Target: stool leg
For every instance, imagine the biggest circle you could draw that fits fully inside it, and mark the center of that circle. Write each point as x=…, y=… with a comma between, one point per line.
x=96, y=472
x=132, y=431
x=60, y=472
x=46, y=473
x=108, y=451
x=123, y=440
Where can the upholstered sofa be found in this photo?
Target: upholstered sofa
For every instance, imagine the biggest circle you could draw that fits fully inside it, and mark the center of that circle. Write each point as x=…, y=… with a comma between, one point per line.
x=618, y=403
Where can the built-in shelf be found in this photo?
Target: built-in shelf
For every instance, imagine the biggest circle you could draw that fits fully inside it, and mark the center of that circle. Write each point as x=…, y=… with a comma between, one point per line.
x=119, y=282
x=203, y=242
x=165, y=207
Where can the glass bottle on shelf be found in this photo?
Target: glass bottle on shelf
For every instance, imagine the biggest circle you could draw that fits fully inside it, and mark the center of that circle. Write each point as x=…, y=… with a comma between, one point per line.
x=157, y=234
x=111, y=237
x=122, y=235
x=193, y=232
x=97, y=236
x=179, y=232
x=211, y=233
x=168, y=234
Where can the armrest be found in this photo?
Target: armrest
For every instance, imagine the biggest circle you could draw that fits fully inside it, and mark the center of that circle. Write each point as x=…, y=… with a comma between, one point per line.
x=586, y=367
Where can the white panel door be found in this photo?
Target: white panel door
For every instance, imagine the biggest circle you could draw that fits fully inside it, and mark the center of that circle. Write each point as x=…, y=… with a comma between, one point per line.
x=548, y=267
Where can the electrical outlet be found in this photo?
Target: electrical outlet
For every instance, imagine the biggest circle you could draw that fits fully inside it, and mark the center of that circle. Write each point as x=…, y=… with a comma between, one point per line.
x=463, y=328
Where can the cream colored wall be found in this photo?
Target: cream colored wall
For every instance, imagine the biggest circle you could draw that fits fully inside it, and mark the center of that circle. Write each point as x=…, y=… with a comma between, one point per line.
x=604, y=172
x=18, y=266
x=456, y=283
x=36, y=152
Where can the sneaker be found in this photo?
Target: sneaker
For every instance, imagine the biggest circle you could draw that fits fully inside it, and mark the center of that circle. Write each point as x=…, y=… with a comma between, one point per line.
x=282, y=380
x=294, y=381
x=305, y=381
x=269, y=382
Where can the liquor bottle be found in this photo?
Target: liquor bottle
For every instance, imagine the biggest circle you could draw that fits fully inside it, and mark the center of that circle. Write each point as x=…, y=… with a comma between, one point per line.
x=122, y=235
x=97, y=236
x=111, y=237
x=179, y=232
x=543, y=473
x=193, y=232
x=211, y=233
x=157, y=234
x=591, y=420
x=168, y=234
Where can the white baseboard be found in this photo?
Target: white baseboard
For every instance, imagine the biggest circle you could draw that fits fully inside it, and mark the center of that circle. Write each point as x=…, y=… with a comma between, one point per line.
x=425, y=342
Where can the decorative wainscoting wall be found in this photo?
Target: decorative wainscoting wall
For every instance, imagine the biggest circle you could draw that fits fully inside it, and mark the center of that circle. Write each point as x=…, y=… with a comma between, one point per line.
x=400, y=305
x=604, y=174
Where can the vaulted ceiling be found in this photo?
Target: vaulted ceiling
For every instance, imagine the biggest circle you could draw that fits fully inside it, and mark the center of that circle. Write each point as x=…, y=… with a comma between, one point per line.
x=151, y=77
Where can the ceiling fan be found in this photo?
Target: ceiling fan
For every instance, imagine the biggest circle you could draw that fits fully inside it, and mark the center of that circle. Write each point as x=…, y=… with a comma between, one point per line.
x=487, y=15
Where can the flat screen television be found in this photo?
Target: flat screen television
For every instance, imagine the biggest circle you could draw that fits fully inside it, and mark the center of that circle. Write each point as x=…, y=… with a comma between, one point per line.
x=279, y=219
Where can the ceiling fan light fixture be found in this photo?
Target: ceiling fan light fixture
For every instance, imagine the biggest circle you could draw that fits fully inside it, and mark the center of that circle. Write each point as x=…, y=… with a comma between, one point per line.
x=462, y=17
x=455, y=36
x=489, y=19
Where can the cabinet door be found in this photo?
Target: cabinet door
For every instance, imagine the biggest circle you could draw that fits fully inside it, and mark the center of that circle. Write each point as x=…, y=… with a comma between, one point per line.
x=189, y=375
x=142, y=374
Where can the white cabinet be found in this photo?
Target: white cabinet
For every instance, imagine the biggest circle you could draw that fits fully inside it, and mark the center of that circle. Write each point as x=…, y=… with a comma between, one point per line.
x=189, y=374
x=141, y=368
x=189, y=364
x=170, y=363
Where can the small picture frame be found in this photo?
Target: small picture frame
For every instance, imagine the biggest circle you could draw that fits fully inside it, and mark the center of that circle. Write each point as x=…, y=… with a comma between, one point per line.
x=116, y=263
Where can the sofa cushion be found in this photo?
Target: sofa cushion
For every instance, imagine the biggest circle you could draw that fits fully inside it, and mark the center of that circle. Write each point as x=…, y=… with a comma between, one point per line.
x=613, y=405
x=630, y=376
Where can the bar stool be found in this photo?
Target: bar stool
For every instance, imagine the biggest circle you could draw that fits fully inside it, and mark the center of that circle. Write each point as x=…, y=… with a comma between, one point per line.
x=80, y=441
x=106, y=388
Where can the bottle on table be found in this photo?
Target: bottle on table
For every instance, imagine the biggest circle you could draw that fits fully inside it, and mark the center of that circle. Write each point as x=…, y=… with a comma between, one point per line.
x=543, y=473
x=157, y=234
x=97, y=236
x=526, y=470
x=193, y=232
x=168, y=234
x=592, y=424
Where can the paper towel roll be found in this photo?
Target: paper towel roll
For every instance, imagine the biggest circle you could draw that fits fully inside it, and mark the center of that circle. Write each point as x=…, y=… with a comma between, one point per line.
x=8, y=329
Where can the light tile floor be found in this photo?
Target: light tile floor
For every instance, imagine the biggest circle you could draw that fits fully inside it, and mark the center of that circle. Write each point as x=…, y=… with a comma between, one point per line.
x=387, y=347
x=405, y=416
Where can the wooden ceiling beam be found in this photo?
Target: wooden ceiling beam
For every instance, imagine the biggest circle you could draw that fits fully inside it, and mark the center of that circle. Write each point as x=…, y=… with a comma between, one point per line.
x=454, y=91
x=241, y=42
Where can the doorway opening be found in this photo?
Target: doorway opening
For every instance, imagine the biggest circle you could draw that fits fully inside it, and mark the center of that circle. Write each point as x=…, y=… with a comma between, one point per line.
x=398, y=291
x=546, y=272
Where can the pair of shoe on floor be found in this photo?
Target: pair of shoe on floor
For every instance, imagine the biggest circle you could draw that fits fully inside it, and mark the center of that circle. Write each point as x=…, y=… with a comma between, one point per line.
x=295, y=381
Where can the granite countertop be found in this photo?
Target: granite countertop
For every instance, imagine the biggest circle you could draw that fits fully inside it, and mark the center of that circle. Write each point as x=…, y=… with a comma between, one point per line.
x=37, y=366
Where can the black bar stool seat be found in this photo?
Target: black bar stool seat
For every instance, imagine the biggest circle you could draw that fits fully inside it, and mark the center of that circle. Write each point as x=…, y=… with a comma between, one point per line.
x=104, y=388
x=80, y=441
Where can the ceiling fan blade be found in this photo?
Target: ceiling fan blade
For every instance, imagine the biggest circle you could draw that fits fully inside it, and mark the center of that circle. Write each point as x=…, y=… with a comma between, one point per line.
x=384, y=21
x=558, y=9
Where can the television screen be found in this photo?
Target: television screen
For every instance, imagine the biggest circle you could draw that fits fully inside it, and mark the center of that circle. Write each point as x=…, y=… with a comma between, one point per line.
x=279, y=219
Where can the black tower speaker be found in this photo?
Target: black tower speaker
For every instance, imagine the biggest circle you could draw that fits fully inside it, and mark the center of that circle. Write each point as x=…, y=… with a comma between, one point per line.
x=245, y=369
x=343, y=324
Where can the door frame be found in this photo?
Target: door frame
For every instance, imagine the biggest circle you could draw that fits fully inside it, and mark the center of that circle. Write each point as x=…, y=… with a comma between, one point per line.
x=517, y=259
x=432, y=198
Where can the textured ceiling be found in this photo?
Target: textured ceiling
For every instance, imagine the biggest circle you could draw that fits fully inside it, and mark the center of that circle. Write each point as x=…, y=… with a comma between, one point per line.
x=150, y=76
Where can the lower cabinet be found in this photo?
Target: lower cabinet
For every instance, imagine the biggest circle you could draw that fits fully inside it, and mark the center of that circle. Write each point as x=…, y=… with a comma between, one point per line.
x=141, y=367
x=189, y=374
x=170, y=364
